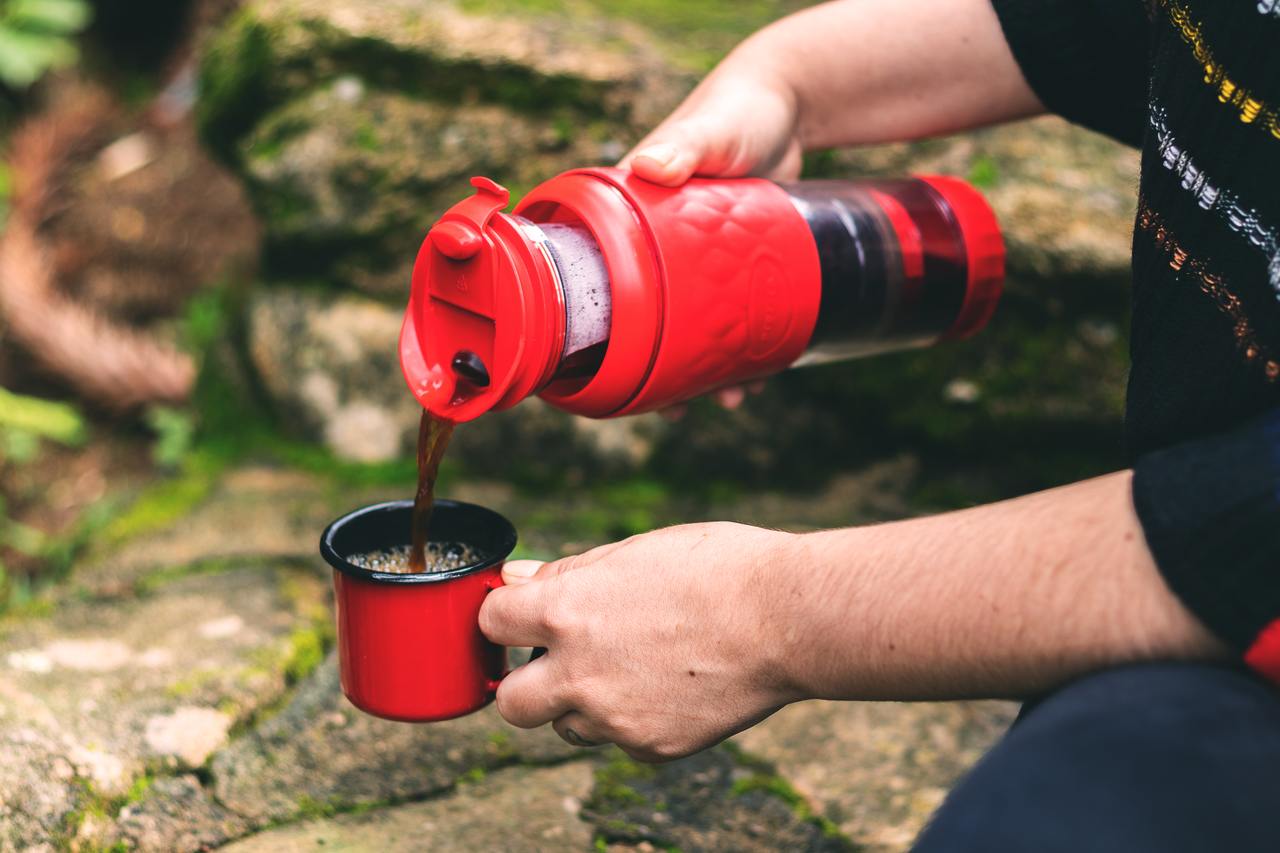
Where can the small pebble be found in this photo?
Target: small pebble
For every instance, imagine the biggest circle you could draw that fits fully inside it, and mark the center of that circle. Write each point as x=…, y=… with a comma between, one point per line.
x=441, y=557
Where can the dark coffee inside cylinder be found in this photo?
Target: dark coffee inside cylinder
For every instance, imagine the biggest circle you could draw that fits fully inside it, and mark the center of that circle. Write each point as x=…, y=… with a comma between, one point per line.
x=894, y=272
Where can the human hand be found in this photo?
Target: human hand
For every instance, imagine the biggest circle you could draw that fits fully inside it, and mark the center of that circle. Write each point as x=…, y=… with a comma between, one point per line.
x=663, y=644
x=741, y=120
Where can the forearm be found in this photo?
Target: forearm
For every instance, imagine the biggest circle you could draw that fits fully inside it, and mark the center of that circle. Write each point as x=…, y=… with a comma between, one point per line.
x=865, y=71
x=1002, y=600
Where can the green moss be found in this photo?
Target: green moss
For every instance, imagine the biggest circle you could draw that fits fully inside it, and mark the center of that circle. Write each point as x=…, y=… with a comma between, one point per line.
x=93, y=803
x=167, y=501
x=366, y=138
x=310, y=808
x=501, y=748
x=609, y=509
x=307, y=648
x=235, y=77
x=153, y=581
x=984, y=172
x=615, y=786
x=138, y=789
x=775, y=786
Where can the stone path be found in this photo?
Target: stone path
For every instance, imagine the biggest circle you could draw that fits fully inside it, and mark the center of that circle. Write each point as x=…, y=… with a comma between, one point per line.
x=180, y=695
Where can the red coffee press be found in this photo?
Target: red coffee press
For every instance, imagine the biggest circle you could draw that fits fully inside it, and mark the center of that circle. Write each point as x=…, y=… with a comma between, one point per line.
x=607, y=295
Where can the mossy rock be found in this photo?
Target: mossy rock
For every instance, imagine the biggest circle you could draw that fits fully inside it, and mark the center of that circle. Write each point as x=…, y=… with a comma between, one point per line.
x=1035, y=400
x=1065, y=196
x=356, y=125
x=274, y=51
x=715, y=800
x=349, y=179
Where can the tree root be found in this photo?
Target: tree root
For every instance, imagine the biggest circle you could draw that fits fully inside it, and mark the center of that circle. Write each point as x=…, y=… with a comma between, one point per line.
x=111, y=365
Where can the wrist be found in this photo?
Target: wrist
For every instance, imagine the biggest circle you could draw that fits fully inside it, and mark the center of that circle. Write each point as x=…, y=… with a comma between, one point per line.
x=763, y=63
x=780, y=590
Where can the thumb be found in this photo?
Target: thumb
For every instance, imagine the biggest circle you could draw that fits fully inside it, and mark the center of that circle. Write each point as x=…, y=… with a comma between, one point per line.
x=517, y=572
x=669, y=157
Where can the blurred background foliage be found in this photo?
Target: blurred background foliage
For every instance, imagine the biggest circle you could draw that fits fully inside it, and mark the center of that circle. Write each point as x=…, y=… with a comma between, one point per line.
x=37, y=36
x=274, y=272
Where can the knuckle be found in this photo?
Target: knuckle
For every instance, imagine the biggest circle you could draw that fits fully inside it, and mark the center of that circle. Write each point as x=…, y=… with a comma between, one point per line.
x=560, y=617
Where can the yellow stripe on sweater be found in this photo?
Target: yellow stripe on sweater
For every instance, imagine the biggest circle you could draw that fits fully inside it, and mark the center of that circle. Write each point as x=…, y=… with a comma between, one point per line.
x=1249, y=108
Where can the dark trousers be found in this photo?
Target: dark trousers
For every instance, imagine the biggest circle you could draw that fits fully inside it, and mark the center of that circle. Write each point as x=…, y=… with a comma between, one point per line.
x=1163, y=758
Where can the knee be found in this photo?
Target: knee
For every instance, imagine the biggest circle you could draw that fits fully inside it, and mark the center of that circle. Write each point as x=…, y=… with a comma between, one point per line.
x=1152, y=757
x=1151, y=703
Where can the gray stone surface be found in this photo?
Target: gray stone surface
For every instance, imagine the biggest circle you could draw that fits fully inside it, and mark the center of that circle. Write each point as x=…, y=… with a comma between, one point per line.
x=518, y=809
x=330, y=365
x=1065, y=196
x=176, y=813
x=320, y=753
x=716, y=800
x=254, y=513
x=104, y=691
x=877, y=770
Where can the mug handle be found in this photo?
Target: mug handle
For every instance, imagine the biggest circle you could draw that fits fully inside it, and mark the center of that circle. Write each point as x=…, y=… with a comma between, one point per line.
x=492, y=684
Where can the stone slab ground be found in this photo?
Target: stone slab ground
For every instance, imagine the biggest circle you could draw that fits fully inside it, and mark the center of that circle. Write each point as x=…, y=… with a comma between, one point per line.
x=178, y=694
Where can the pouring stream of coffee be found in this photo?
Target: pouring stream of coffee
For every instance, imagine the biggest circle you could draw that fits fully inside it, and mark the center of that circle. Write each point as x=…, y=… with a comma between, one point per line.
x=433, y=437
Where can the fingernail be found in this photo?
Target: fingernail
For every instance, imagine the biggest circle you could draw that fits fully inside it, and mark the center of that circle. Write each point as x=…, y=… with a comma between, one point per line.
x=576, y=739
x=522, y=569
x=663, y=154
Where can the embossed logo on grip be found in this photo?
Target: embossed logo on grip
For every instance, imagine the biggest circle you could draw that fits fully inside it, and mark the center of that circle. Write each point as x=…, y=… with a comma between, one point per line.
x=768, y=309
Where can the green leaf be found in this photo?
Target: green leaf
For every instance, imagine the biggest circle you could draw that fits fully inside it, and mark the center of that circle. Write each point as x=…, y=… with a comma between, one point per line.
x=25, y=57
x=18, y=445
x=174, y=431
x=22, y=538
x=62, y=17
x=984, y=173
x=60, y=422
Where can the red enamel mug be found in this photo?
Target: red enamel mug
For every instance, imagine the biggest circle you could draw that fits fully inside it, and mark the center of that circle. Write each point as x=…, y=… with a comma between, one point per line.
x=409, y=645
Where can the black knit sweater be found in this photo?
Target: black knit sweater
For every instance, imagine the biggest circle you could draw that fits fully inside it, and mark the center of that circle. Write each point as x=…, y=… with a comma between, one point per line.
x=1196, y=84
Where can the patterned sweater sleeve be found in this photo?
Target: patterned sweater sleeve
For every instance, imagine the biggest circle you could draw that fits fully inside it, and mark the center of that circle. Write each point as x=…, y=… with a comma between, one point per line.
x=1087, y=60
x=1210, y=510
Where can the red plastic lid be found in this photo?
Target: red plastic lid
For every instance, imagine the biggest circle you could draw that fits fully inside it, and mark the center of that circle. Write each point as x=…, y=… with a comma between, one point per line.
x=485, y=323
x=984, y=250
x=589, y=198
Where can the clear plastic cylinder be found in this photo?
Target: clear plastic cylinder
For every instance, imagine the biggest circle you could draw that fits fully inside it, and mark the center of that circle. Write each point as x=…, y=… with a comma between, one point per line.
x=893, y=265
x=892, y=260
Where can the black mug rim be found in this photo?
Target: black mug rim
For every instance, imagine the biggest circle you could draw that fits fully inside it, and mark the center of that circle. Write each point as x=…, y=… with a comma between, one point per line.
x=506, y=543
